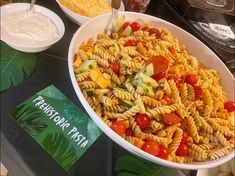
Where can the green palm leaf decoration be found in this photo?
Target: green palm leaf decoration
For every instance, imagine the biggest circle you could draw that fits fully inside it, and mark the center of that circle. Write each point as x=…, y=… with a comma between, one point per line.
x=130, y=166
x=60, y=149
x=13, y=64
x=30, y=119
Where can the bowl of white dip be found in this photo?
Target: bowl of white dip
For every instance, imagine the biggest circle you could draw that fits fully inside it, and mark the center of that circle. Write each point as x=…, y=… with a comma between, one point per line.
x=30, y=31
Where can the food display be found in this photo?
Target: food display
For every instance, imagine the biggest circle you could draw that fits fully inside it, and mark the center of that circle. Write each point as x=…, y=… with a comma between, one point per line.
x=150, y=90
x=88, y=8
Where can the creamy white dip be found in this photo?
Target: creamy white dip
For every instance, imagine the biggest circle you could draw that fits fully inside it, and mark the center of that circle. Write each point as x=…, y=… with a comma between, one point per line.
x=28, y=28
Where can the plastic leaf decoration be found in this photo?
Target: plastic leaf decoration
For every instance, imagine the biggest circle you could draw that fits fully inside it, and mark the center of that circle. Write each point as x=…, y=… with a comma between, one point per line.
x=13, y=65
x=130, y=166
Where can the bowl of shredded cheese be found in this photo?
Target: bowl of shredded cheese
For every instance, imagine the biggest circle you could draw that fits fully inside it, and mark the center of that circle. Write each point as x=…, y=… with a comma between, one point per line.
x=81, y=11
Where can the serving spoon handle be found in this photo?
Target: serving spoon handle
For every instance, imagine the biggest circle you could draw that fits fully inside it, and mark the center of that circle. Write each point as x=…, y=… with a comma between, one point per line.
x=32, y=4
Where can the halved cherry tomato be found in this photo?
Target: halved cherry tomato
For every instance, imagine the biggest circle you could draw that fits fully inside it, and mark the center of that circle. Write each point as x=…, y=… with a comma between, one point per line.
x=184, y=137
x=131, y=43
x=126, y=24
x=202, y=66
x=171, y=119
x=129, y=132
x=172, y=50
x=167, y=99
x=160, y=63
x=142, y=120
x=115, y=67
x=155, y=31
x=191, y=79
x=163, y=153
x=158, y=76
x=197, y=92
x=182, y=150
x=151, y=146
x=230, y=106
x=118, y=127
x=135, y=26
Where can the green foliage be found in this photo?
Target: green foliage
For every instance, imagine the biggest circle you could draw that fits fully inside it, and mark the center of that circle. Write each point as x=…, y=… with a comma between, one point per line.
x=131, y=166
x=60, y=149
x=30, y=119
x=12, y=65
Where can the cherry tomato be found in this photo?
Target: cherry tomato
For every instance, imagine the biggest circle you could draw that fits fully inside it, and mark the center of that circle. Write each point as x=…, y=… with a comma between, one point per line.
x=126, y=24
x=163, y=153
x=171, y=119
x=159, y=76
x=167, y=99
x=202, y=66
x=160, y=63
x=198, y=92
x=182, y=150
x=172, y=50
x=230, y=106
x=142, y=120
x=129, y=132
x=191, y=79
x=135, y=26
x=151, y=147
x=184, y=137
x=131, y=43
x=155, y=31
x=118, y=127
x=115, y=67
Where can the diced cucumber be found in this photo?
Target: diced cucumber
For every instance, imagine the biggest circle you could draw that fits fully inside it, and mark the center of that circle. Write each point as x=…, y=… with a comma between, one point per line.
x=127, y=31
x=149, y=70
x=148, y=80
x=141, y=106
x=87, y=65
x=126, y=103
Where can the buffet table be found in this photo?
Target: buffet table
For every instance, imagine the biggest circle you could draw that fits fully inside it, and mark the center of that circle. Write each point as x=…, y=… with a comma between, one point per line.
x=19, y=152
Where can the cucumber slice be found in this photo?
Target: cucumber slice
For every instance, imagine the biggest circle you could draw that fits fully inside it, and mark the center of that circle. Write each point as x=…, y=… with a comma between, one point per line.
x=149, y=70
x=127, y=31
x=148, y=80
x=126, y=103
x=141, y=106
x=87, y=65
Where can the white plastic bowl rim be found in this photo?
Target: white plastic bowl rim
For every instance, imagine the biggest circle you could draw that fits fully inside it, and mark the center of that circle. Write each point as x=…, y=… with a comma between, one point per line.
x=203, y=53
x=14, y=7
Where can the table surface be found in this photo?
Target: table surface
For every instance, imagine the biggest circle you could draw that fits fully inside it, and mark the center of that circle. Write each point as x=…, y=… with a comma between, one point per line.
x=20, y=153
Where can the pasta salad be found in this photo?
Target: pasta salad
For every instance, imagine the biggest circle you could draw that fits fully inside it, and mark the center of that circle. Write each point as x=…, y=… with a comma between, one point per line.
x=150, y=90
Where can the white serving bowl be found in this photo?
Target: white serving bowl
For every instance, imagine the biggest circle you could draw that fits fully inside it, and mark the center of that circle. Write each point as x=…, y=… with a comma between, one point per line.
x=14, y=7
x=195, y=47
x=77, y=18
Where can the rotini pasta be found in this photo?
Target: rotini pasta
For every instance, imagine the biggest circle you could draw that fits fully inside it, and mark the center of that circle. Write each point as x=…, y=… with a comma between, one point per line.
x=146, y=84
